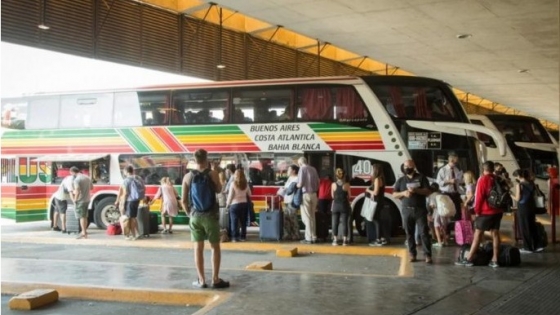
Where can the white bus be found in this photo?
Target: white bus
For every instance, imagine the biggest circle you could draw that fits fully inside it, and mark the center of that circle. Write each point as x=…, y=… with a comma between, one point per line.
x=346, y=122
x=528, y=145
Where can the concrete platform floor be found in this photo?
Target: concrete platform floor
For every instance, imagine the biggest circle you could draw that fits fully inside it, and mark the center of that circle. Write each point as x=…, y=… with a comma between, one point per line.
x=323, y=280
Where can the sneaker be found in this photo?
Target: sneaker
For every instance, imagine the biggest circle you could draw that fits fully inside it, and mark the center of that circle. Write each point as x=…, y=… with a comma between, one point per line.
x=429, y=260
x=242, y=240
x=221, y=284
x=412, y=259
x=63, y=231
x=437, y=245
x=493, y=264
x=464, y=262
x=306, y=242
x=525, y=251
x=334, y=243
x=384, y=241
x=345, y=243
x=199, y=285
x=170, y=232
x=137, y=237
x=56, y=229
x=540, y=249
x=165, y=231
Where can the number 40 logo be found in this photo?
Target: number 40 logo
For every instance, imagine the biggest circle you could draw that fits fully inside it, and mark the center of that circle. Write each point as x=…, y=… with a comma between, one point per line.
x=362, y=168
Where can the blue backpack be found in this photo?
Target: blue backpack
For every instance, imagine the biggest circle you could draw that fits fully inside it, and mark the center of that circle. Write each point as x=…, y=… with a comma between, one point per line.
x=202, y=193
x=137, y=189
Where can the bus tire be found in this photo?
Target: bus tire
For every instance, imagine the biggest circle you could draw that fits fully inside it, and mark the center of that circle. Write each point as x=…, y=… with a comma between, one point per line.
x=105, y=213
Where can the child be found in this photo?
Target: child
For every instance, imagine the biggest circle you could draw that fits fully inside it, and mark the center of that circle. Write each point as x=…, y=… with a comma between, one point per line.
x=438, y=223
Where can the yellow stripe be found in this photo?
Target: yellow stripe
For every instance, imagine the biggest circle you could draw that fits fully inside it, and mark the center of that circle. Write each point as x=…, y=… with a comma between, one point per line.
x=232, y=139
x=31, y=204
x=349, y=136
x=151, y=140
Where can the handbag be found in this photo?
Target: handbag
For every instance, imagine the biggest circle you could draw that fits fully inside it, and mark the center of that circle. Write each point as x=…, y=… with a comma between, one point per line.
x=539, y=201
x=368, y=209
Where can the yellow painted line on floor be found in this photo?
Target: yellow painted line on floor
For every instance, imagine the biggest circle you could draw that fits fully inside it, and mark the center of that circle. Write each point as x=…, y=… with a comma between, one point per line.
x=207, y=299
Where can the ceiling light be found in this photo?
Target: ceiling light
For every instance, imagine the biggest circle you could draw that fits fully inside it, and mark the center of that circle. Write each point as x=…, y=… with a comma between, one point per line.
x=463, y=36
x=523, y=70
x=43, y=26
x=221, y=66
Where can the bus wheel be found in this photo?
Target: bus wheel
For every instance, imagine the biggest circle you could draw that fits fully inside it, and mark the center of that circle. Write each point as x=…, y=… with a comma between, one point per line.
x=106, y=213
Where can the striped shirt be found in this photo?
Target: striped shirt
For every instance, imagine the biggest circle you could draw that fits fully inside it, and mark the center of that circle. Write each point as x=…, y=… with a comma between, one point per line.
x=308, y=179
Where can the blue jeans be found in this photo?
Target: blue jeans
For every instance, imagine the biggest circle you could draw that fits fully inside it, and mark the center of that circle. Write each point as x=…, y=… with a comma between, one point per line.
x=237, y=219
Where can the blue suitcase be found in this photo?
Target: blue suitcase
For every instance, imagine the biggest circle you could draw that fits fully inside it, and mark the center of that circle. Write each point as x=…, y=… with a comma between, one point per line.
x=271, y=225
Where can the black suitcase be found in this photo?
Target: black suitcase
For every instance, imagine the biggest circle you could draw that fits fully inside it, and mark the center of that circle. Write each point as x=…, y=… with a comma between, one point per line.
x=271, y=225
x=542, y=237
x=154, y=223
x=482, y=256
x=143, y=220
x=72, y=223
x=322, y=221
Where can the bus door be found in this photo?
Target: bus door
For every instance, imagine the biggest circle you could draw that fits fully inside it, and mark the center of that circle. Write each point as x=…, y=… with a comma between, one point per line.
x=322, y=161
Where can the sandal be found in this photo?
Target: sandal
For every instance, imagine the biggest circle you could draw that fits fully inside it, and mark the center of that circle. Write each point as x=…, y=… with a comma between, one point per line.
x=199, y=285
x=221, y=284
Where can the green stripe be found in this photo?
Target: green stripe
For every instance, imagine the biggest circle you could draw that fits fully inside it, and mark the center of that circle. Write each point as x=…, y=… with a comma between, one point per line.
x=28, y=134
x=134, y=140
x=8, y=213
x=207, y=130
x=321, y=127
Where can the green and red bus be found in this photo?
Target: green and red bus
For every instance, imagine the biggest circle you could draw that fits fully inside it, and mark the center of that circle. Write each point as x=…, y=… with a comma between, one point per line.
x=265, y=125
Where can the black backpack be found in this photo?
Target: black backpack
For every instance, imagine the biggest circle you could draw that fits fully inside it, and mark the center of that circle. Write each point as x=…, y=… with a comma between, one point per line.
x=499, y=196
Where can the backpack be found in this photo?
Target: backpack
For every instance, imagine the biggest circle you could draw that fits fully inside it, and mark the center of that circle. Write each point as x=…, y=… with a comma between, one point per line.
x=445, y=206
x=137, y=189
x=202, y=194
x=499, y=196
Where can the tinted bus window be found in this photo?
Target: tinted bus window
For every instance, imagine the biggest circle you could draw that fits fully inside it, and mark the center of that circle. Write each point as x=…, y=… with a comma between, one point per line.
x=153, y=167
x=331, y=103
x=200, y=107
x=154, y=107
x=260, y=104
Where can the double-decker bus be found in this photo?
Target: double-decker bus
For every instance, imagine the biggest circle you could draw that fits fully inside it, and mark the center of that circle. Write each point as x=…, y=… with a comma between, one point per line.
x=528, y=144
x=266, y=125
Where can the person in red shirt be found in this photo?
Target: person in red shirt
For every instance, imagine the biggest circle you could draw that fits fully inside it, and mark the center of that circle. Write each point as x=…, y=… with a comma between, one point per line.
x=324, y=196
x=487, y=218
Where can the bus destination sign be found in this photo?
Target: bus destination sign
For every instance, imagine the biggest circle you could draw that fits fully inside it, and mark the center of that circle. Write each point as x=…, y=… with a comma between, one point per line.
x=424, y=140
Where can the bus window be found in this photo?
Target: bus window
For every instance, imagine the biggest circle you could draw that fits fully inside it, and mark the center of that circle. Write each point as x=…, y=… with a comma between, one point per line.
x=270, y=169
x=200, y=107
x=86, y=110
x=260, y=104
x=154, y=107
x=315, y=104
x=14, y=114
x=416, y=102
x=153, y=167
x=61, y=169
x=100, y=171
x=486, y=139
x=349, y=107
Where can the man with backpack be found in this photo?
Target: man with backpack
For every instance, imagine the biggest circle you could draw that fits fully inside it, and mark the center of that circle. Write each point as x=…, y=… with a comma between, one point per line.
x=488, y=213
x=198, y=198
x=134, y=190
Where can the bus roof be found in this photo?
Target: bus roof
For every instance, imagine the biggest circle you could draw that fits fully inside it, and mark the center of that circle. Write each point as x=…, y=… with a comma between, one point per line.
x=221, y=84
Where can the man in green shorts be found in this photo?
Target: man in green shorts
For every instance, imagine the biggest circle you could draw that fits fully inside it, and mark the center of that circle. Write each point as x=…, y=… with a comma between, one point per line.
x=80, y=197
x=199, y=190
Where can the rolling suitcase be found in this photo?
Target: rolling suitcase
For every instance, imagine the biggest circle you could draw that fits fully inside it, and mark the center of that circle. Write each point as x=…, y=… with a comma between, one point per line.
x=143, y=220
x=72, y=222
x=542, y=237
x=224, y=219
x=322, y=221
x=154, y=223
x=463, y=230
x=271, y=224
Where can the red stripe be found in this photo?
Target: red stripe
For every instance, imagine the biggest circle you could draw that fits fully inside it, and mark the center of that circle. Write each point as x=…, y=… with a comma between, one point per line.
x=226, y=147
x=67, y=150
x=361, y=146
x=169, y=140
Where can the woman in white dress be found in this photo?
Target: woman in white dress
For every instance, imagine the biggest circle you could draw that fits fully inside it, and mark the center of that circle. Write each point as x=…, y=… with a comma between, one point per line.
x=170, y=206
